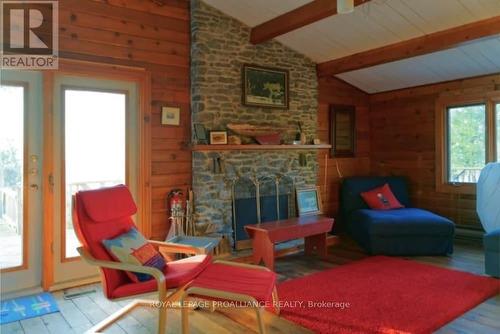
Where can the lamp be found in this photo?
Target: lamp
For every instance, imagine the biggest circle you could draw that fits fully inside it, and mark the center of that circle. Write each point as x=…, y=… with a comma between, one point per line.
x=345, y=6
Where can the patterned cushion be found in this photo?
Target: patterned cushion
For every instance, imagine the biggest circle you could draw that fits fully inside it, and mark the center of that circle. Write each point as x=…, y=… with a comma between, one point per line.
x=381, y=198
x=131, y=247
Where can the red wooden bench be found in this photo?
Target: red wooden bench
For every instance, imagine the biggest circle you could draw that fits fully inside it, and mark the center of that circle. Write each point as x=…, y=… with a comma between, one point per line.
x=264, y=236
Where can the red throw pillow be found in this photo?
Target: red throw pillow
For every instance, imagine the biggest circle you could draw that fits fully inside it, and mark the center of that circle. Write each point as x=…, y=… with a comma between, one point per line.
x=381, y=198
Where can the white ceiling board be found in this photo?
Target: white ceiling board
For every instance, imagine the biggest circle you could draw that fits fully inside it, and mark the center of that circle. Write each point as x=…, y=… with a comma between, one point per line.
x=357, y=81
x=388, y=17
x=439, y=15
x=473, y=59
x=255, y=12
x=480, y=9
x=490, y=50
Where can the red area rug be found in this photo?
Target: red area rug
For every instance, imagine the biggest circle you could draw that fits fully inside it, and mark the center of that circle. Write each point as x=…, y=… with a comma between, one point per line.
x=382, y=295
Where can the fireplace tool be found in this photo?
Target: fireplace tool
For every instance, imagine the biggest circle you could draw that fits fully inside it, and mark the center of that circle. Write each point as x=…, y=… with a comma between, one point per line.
x=189, y=226
x=177, y=216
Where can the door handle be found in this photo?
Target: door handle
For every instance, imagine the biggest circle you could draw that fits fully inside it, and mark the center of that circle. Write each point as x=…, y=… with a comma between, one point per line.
x=34, y=187
x=51, y=180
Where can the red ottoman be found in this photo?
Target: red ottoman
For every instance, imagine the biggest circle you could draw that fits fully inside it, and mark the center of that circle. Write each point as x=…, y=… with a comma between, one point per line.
x=253, y=286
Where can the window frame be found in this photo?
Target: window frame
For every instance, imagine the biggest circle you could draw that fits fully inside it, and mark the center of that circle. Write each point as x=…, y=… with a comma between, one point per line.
x=443, y=104
x=495, y=118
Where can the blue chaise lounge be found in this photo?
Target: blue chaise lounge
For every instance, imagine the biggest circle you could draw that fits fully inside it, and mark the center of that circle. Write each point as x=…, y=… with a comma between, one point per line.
x=406, y=231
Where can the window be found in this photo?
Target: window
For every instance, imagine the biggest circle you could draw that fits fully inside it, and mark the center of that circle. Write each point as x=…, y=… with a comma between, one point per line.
x=11, y=176
x=95, y=146
x=467, y=138
x=466, y=144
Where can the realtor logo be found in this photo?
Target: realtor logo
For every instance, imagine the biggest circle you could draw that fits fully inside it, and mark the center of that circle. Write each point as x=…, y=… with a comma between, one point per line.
x=29, y=37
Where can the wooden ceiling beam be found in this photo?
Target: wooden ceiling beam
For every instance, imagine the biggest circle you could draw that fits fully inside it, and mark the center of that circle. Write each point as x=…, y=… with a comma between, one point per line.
x=441, y=40
x=295, y=19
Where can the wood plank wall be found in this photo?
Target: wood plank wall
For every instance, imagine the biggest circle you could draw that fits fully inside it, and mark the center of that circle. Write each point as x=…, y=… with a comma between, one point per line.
x=334, y=91
x=402, y=141
x=142, y=34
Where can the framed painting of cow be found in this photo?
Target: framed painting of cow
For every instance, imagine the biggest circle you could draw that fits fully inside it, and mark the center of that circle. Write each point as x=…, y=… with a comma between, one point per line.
x=265, y=87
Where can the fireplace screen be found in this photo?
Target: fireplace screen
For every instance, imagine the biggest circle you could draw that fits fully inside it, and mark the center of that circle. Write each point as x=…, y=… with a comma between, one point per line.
x=259, y=200
x=286, y=189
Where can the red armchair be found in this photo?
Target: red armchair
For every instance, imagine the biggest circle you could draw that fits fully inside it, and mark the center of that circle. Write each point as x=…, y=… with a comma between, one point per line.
x=104, y=214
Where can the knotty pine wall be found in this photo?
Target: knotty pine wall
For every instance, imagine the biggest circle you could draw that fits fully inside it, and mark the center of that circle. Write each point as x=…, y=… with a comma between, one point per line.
x=334, y=91
x=402, y=141
x=143, y=34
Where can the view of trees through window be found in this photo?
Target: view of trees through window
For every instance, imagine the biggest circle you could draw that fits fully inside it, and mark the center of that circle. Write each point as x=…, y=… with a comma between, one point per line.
x=466, y=142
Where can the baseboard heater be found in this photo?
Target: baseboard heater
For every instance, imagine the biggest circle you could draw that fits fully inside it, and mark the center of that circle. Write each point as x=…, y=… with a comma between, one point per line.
x=462, y=232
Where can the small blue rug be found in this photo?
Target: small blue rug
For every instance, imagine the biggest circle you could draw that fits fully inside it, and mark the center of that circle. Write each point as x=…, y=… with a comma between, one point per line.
x=27, y=307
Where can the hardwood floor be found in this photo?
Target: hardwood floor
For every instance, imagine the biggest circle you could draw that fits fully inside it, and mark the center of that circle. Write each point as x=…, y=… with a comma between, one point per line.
x=79, y=314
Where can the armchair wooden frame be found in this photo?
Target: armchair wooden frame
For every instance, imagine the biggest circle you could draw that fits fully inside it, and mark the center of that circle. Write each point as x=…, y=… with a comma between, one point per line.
x=157, y=275
x=225, y=295
x=179, y=295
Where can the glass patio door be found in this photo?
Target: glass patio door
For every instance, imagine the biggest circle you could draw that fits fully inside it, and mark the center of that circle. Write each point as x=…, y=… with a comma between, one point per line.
x=94, y=141
x=20, y=180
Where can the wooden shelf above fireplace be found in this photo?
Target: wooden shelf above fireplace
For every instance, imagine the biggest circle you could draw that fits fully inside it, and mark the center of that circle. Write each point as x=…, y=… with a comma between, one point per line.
x=255, y=147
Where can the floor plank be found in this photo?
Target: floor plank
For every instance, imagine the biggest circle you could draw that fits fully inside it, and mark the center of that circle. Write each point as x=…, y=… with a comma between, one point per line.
x=34, y=325
x=94, y=313
x=12, y=328
x=73, y=315
x=128, y=324
x=56, y=323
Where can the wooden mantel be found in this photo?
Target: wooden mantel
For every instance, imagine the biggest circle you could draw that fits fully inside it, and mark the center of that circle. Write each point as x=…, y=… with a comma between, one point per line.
x=255, y=147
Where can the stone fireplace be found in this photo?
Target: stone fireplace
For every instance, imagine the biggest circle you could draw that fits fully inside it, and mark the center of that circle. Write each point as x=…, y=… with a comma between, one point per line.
x=220, y=47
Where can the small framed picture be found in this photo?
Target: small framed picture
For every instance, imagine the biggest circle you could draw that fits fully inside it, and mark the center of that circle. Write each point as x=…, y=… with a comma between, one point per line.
x=218, y=138
x=309, y=201
x=343, y=130
x=170, y=116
